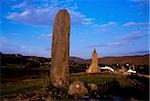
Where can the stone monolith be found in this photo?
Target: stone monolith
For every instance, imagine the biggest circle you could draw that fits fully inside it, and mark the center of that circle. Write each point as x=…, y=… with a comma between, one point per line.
x=59, y=72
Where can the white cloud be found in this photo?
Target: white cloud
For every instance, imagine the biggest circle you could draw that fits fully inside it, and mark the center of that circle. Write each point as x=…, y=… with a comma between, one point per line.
x=141, y=2
x=133, y=37
x=45, y=15
x=139, y=52
x=20, y=5
x=129, y=24
x=79, y=18
x=87, y=21
x=135, y=23
x=46, y=36
x=33, y=16
x=111, y=44
x=142, y=6
x=109, y=24
x=104, y=27
x=3, y=41
x=124, y=40
x=10, y=46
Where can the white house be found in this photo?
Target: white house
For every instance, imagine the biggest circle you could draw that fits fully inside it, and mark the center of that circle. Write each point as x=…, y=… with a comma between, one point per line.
x=107, y=68
x=131, y=71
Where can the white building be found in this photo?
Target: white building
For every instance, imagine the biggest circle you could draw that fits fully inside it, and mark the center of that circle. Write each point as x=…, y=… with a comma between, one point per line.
x=131, y=72
x=107, y=68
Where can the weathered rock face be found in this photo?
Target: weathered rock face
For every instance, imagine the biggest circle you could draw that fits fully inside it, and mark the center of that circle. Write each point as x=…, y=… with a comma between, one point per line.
x=77, y=89
x=59, y=72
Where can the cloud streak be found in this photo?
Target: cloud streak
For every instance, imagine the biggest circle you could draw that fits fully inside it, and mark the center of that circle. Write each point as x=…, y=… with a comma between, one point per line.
x=45, y=15
x=111, y=44
x=123, y=40
x=135, y=35
x=142, y=6
x=135, y=23
x=46, y=36
x=139, y=52
x=9, y=46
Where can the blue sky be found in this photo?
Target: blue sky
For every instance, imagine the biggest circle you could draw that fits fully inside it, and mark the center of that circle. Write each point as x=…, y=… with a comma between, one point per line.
x=113, y=27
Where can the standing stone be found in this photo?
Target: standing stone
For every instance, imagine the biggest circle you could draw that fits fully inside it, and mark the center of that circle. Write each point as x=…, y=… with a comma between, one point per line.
x=59, y=72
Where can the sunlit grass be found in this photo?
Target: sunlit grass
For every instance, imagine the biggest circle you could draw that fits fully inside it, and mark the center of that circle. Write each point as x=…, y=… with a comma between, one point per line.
x=24, y=86
x=33, y=84
x=102, y=78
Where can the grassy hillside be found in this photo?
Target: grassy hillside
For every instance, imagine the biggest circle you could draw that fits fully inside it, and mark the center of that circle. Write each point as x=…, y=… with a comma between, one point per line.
x=137, y=60
x=22, y=60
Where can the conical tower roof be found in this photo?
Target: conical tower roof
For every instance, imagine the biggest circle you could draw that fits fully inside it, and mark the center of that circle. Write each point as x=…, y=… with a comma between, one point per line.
x=94, y=50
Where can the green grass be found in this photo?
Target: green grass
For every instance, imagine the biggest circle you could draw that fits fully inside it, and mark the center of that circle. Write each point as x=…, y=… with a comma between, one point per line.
x=102, y=78
x=41, y=68
x=33, y=84
x=24, y=86
x=18, y=89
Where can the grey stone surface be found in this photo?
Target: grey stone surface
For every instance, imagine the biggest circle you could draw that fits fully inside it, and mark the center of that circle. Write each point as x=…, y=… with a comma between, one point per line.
x=77, y=89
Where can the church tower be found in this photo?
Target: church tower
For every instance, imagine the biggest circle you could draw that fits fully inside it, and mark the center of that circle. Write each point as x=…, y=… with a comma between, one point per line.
x=94, y=58
x=94, y=68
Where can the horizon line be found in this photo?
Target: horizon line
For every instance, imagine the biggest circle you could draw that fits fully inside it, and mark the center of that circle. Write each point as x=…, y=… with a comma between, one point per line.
x=81, y=57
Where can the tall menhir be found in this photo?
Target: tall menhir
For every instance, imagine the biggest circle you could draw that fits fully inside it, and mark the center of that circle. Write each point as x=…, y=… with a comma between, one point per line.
x=59, y=72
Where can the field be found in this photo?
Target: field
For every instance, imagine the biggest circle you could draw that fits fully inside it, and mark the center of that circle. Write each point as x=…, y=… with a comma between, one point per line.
x=109, y=85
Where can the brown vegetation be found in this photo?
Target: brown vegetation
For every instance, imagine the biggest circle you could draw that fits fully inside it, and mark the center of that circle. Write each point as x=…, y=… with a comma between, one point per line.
x=137, y=60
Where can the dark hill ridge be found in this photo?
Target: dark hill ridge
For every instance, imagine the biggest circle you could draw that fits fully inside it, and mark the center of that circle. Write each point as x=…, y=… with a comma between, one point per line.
x=76, y=59
x=137, y=59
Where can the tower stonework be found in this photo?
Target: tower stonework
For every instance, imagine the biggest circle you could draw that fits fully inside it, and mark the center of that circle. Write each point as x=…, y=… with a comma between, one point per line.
x=94, y=68
x=59, y=72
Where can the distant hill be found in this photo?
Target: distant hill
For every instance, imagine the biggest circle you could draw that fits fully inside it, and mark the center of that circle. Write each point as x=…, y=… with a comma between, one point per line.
x=17, y=59
x=76, y=59
x=137, y=60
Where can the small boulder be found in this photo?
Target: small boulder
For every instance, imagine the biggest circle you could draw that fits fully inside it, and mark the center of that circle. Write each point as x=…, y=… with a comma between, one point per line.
x=49, y=98
x=40, y=92
x=93, y=87
x=22, y=97
x=77, y=89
